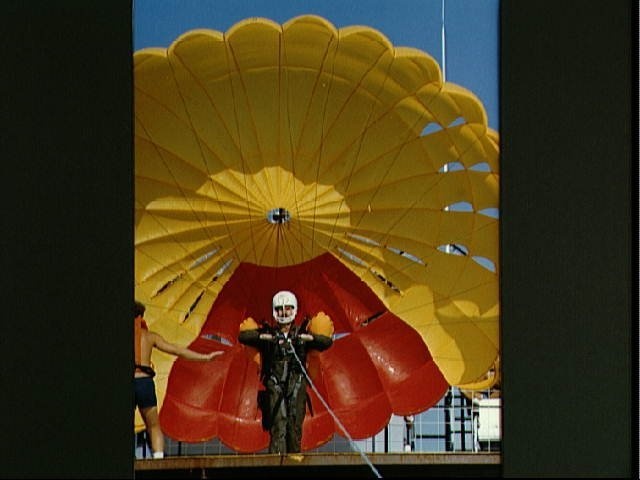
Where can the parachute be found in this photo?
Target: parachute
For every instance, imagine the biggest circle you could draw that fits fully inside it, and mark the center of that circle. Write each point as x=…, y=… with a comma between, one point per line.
x=326, y=162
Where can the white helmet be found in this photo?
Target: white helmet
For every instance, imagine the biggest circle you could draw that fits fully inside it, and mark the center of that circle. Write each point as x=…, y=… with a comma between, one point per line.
x=283, y=299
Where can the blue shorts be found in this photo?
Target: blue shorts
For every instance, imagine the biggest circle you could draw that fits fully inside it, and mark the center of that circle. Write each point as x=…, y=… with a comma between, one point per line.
x=145, y=392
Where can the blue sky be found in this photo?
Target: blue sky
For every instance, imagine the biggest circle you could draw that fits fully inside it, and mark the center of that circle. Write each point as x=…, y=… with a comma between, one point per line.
x=471, y=28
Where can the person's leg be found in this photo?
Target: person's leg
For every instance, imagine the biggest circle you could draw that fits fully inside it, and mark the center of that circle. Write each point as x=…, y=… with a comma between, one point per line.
x=297, y=409
x=278, y=430
x=156, y=437
x=145, y=395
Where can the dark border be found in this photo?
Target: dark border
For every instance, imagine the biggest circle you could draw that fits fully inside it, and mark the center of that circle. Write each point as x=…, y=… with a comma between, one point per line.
x=67, y=237
x=567, y=197
x=568, y=194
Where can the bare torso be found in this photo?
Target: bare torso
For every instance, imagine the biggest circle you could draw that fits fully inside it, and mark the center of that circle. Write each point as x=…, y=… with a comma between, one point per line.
x=147, y=343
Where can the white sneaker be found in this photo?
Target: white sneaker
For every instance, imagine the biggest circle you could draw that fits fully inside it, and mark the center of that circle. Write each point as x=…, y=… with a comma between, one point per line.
x=158, y=455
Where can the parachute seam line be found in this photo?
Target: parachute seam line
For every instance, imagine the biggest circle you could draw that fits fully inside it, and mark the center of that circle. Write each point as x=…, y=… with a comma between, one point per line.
x=156, y=217
x=409, y=264
x=198, y=141
x=292, y=150
x=322, y=135
x=391, y=226
x=270, y=234
x=386, y=173
x=195, y=281
x=426, y=176
x=194, y=131
x=278, y=238
x=185, y=295
x=204, y=286
x=365, y=127
x=230, y=52
x=215, y=109
x=279, y=233
x=195, y=193
x=179, y=187
x=284, y=79
x=450, y=298
x=414, y=94
x=306, y=252
x=176, y=233
x=476, y=327
x=334, y=416
x=289, y=247
x=372, y=259
x=177, y=155
x=175, y=115
x=368, y=124
x=457, y=358
x=383, y=114
x=391, y=106
x=395, y=148
x=196, y=135
x=479, y=231
x=314, y=90
x=466, y=259
x=284, y=72
x=398, y=146
x=449, y=132
x=405, y=211
x=212, y=104
x=385, y=246
x=168, y=266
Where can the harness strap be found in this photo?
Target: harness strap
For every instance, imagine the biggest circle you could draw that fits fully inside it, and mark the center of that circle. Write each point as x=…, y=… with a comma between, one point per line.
x=146, y=369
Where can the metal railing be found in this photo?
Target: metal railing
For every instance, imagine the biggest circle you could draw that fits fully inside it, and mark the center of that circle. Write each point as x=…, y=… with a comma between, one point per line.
x=456, y=423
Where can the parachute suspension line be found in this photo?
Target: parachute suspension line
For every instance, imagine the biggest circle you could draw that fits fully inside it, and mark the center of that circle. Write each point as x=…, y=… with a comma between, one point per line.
x=234, y=100
x=182, y=192
x=177, y=275
x=334, y=416
x=198, y=140
x=203, y=286
x=365, y=128
x=292, y=148
x=322, y=137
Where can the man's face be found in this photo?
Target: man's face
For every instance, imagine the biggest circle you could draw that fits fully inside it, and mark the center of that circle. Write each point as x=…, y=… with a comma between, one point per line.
x=285, y=311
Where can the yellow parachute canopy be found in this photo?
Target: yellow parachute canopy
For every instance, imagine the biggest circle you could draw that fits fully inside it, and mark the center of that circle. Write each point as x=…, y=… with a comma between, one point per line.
x=273, y=144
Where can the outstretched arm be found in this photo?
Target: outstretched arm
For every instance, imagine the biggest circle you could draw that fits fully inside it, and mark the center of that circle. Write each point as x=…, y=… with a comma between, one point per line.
x=254, y=337
x=251, y=333
x=317, y=342
x=168, y=347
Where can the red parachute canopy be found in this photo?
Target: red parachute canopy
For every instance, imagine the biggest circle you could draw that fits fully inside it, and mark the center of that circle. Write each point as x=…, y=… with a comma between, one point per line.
x=378, y=364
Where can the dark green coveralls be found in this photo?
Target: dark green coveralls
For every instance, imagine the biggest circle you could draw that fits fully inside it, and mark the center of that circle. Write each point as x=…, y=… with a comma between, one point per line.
x=283, y=403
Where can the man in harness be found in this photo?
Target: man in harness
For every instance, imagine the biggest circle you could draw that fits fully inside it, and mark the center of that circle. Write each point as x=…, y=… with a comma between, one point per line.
x=283, y=402
x=143, y=384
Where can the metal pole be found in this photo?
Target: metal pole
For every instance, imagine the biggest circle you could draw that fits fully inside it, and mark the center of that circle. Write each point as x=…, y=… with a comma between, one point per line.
x=447, y=422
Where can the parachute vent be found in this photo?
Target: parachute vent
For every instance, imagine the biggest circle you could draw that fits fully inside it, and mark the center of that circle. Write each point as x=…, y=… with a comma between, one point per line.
x=278, y=215
x=193, y=305
x=168, y=284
